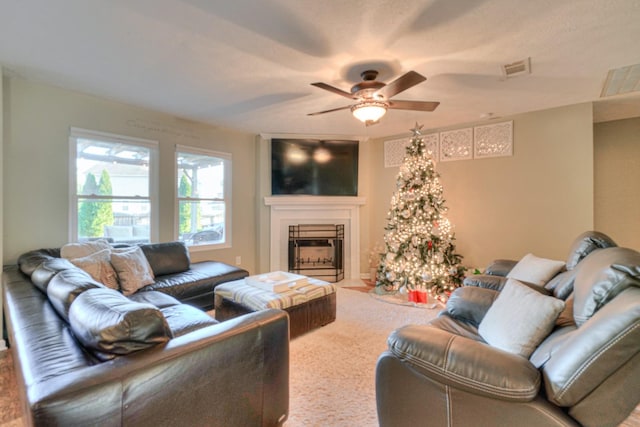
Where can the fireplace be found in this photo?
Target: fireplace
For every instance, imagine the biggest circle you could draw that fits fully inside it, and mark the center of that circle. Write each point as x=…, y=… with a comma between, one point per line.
x=317, y=250
x=310, y=210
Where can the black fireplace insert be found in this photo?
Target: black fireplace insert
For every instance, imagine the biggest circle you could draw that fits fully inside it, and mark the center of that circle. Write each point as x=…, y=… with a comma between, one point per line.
x=317, y=250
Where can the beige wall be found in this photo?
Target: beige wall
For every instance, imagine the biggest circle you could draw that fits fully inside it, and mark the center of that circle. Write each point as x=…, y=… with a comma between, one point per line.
x=617, y=179
x=536, y=201
x=36, y=165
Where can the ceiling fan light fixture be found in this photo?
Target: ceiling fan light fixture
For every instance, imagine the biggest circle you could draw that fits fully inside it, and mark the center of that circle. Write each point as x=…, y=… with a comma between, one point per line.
x=369, y=111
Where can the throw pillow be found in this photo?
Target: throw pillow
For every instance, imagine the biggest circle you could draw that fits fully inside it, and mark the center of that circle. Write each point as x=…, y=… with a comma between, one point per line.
x=79, y=250
x=133, y=269
x=99, y=267
x=566, y=316
x=519, y=319
x=535, y=271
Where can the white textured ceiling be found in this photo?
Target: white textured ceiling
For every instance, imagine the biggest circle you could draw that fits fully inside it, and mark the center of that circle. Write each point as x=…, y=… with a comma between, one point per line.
x=248, y=65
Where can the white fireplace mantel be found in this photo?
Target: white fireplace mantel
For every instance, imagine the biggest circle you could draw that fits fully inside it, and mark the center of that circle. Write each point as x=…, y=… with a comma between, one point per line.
x=293, y=210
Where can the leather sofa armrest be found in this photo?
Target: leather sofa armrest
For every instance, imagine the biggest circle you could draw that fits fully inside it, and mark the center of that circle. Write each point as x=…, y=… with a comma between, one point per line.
x=211, y=374
x=465, y=364
x=470, y=304
x=486, y=281
x=500, y=267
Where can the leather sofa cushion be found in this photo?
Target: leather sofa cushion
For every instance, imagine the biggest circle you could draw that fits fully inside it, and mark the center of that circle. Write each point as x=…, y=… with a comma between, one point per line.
x=183, y=318
x=448, y=323
x=562, y=284
x=157, y=299
x=488, y=281
x=200, y=279
x=167, y=258
x=500, y=267
x=42, y=275
x=31, y=260
x=469, y=304
x=65, y=287
x=586, y=243
x=587, y=356
x=464, y=363
x=109, y=324
x=600, y=277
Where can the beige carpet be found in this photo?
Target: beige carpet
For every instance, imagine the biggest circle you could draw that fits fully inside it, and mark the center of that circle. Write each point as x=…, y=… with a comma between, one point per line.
x=332, y=380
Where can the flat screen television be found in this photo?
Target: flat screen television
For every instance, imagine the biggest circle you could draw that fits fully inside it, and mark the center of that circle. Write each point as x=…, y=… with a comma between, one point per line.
x=314, y=167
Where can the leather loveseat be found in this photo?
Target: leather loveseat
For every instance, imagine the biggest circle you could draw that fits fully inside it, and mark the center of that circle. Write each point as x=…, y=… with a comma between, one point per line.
x=85, y=354
x=585, y=372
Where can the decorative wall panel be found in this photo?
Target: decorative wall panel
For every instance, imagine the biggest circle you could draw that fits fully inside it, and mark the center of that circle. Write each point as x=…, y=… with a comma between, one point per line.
x=494, y=140
x=456, y=144
x=394, y=151
x=431, y=144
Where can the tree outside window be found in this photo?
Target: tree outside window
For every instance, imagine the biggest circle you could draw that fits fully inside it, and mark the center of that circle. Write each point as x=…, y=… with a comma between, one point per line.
x=93, y=216
x=113, y=180
x=203, y=180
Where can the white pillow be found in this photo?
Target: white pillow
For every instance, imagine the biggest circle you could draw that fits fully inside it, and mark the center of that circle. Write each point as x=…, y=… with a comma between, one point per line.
x=134, y=271
x=99, y=267
x=79, y=250
x=519, y=319
x=535, y=271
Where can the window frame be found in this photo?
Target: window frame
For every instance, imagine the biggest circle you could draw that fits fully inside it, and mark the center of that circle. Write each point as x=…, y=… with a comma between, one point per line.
x=227, y=192
x=77, y=133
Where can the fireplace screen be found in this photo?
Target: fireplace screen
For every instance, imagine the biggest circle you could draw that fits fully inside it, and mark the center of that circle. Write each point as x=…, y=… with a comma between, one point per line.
x=316, y=250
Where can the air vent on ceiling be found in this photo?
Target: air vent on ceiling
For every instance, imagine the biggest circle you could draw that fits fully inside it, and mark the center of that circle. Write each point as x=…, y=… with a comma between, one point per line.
x=622, y=80
x=516, y=68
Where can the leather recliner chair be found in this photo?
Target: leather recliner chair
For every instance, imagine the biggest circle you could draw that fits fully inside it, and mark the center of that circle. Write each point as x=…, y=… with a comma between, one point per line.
x=586, y=372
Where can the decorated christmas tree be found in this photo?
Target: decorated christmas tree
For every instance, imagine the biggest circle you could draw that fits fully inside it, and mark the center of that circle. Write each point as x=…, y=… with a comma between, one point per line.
x=419, y=250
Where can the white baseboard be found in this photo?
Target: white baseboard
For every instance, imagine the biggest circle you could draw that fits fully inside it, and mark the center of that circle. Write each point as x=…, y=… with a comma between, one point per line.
x=3, y=345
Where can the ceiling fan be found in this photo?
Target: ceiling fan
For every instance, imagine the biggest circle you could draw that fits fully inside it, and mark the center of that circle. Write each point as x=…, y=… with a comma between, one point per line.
x=374, y=97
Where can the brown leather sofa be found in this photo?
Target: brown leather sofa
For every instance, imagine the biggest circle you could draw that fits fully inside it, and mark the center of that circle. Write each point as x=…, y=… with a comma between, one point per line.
x=586, y=372
x=85, y=354
x=175, y=274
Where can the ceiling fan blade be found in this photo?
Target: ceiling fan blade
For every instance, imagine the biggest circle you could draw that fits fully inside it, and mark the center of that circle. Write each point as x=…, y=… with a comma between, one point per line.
x=334, y=90
x=329, y=111
x=400, y=84
x=413, y=105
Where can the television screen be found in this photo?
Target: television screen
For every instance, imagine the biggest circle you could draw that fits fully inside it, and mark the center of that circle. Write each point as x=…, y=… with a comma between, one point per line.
x=314, y=167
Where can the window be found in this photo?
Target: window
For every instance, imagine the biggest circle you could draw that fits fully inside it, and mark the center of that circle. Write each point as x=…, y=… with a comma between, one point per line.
x=204, y=193
x=112, y=187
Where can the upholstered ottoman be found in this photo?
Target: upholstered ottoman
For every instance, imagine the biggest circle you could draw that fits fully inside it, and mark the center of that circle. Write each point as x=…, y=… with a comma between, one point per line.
x=309, y=306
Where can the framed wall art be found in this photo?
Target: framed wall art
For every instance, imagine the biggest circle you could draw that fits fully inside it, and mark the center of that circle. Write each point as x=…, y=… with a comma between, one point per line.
x=431, y=142
x=394, y=151
x=456, y=144
x=494, y=140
